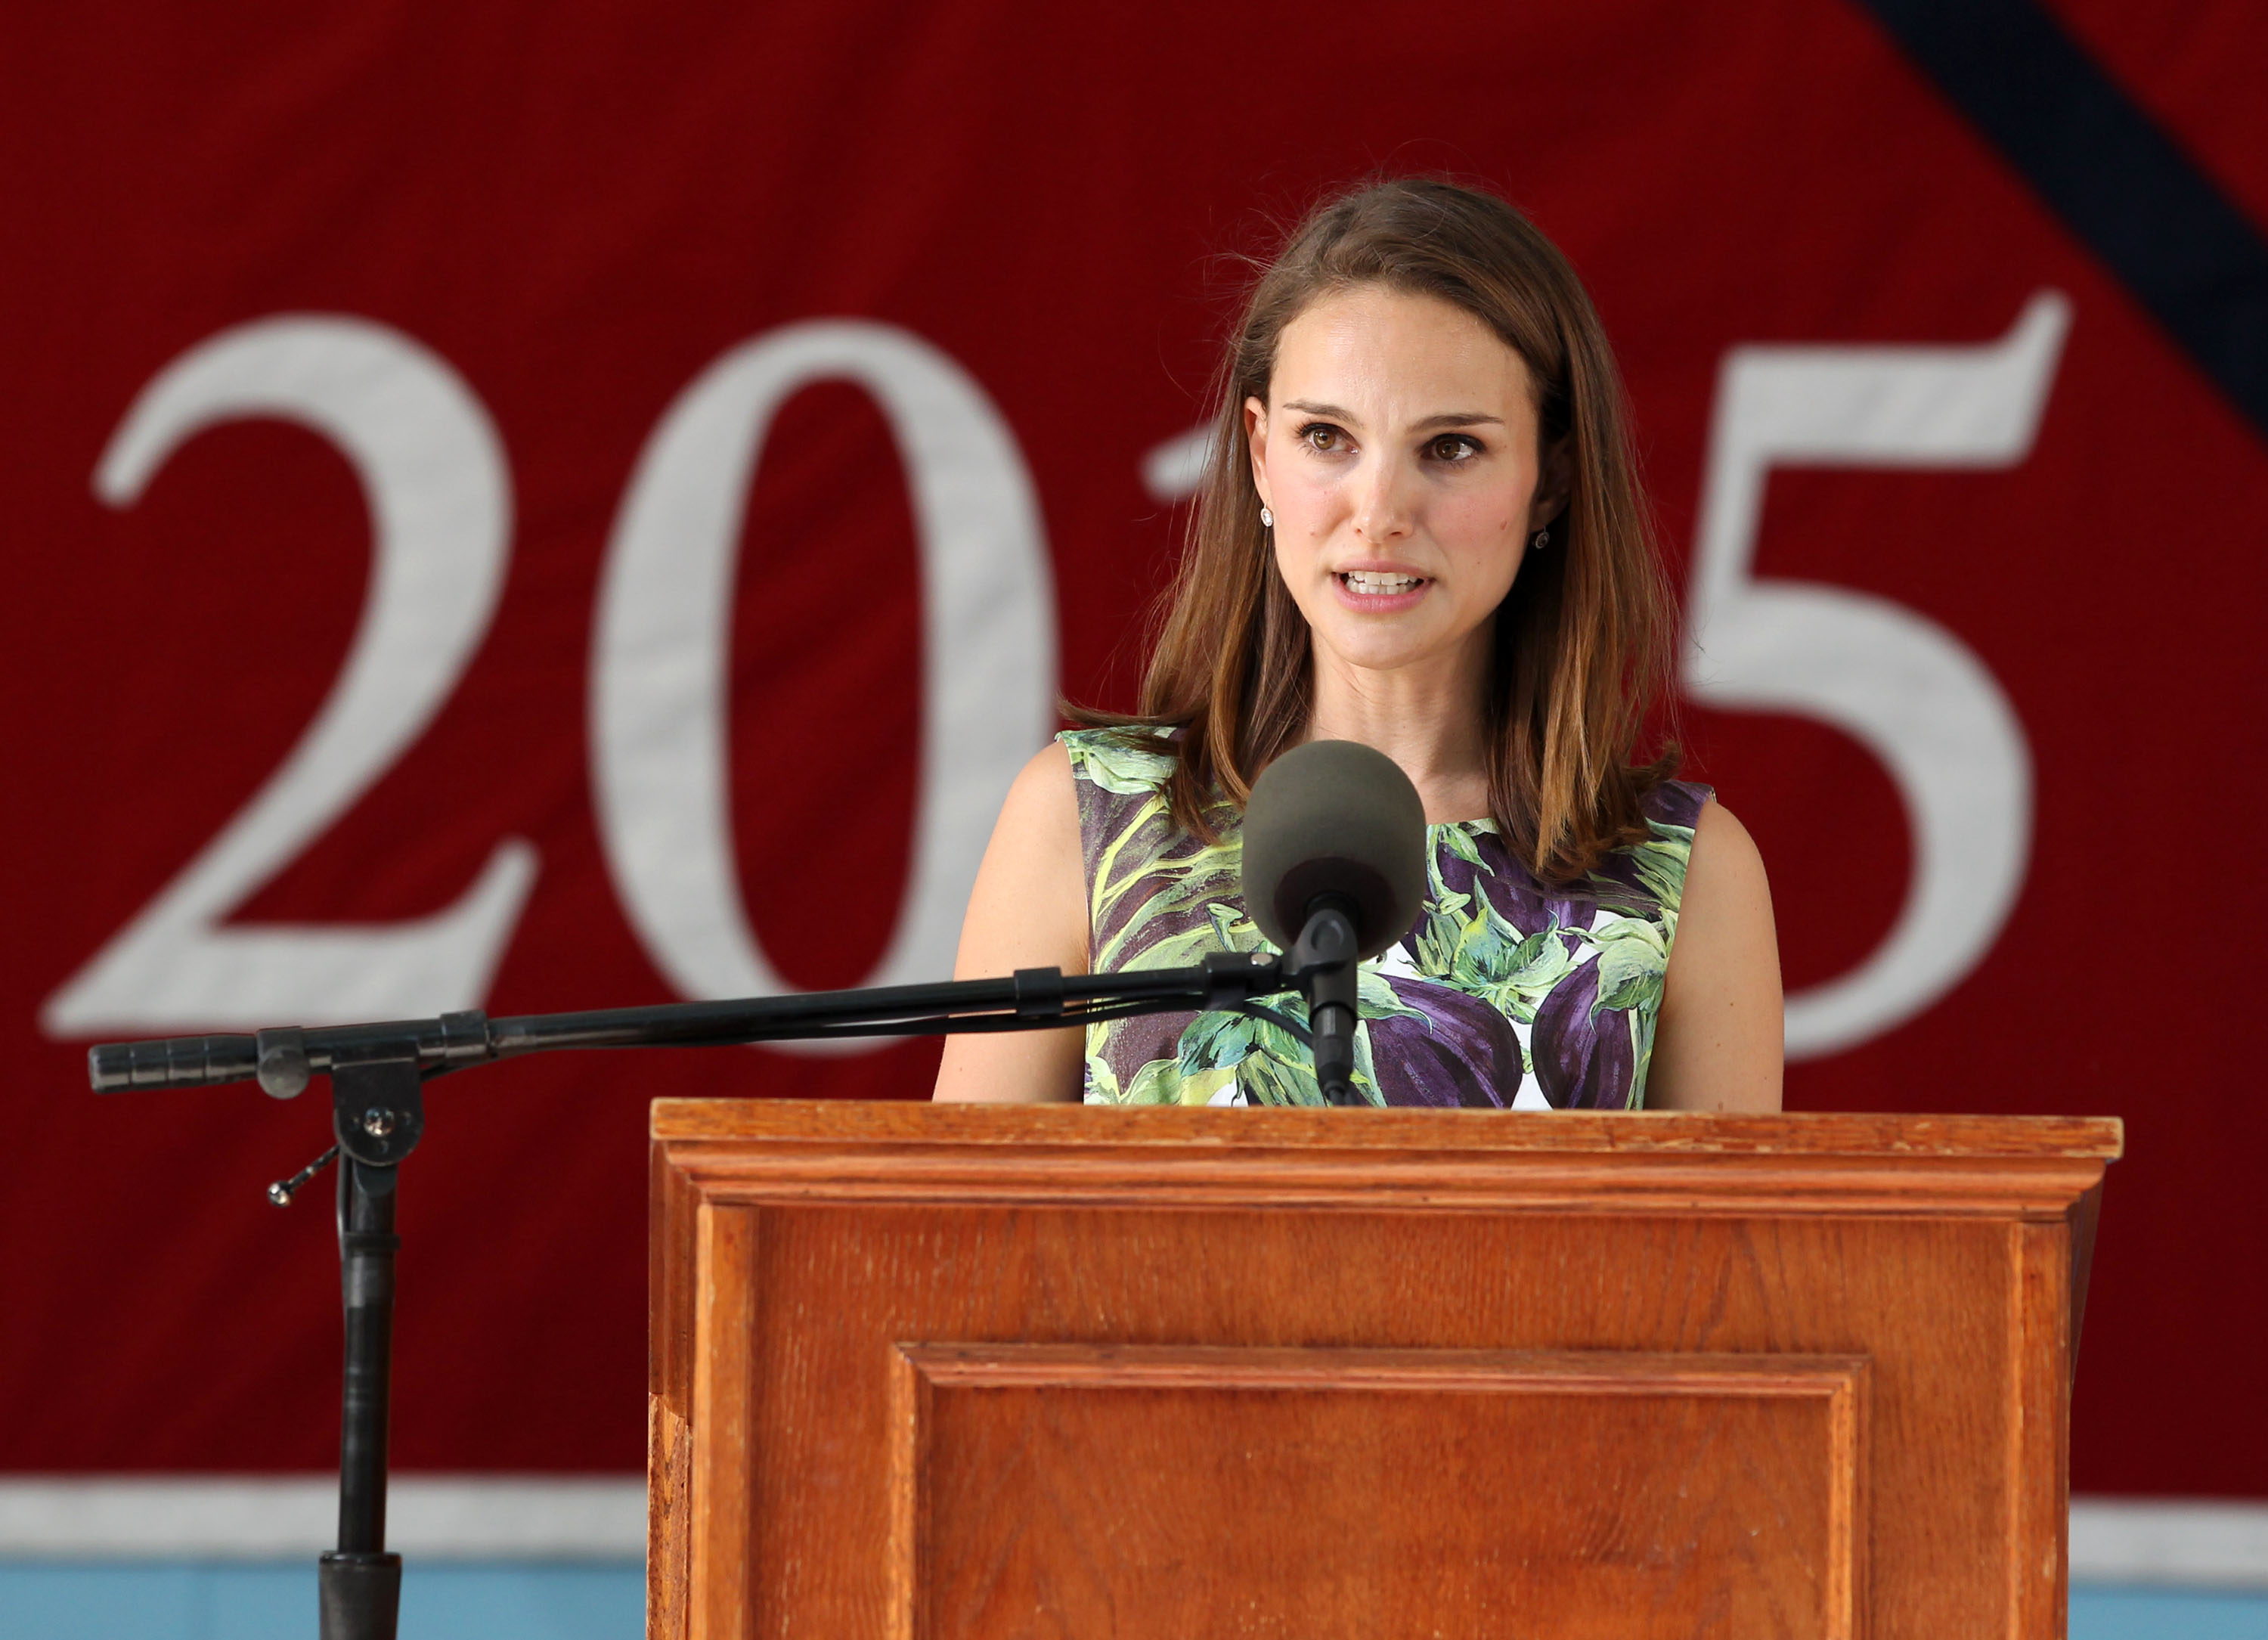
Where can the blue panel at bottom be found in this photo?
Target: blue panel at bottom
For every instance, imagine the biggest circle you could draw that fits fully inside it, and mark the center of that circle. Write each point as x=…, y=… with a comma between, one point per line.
x=550, y=1602
x=209, y=1601
x=606, y=1602
x=2107, y=1613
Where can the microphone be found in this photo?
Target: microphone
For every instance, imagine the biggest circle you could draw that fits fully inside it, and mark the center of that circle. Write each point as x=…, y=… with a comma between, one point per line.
x=1333, y=873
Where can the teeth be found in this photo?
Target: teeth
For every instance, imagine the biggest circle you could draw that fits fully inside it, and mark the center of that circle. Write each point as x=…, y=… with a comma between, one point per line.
x=1371, y=584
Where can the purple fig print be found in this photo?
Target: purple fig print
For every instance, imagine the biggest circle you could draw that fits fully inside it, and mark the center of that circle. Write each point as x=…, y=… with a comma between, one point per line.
x=1456, y=1050
x=1582, y=1054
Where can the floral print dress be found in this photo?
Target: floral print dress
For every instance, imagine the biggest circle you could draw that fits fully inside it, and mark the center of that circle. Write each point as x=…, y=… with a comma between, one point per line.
x=1508, y=993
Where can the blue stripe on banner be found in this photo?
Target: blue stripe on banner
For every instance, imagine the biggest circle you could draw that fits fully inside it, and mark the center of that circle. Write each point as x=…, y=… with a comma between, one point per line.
x=2119, y=183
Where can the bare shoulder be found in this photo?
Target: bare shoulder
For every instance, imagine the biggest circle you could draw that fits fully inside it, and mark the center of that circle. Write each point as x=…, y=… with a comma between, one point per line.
x=1042, y=803
x=1726, y=860
x=1718, y=1045
x=1027, y=910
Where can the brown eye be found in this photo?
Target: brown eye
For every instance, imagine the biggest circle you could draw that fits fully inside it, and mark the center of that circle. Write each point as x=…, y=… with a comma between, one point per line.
x=1451, y=447
x=1320, y=436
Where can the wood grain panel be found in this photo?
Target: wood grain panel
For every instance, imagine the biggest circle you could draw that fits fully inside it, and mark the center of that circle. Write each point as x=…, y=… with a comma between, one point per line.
x=725, y=1319
x=668, y=1521
x=1335, y=1492
x=672, y=1203
x=2039, y=1434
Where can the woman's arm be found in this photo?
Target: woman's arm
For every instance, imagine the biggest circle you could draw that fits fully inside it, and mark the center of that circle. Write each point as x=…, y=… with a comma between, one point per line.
x=1718, y=1046
x=1028, y=910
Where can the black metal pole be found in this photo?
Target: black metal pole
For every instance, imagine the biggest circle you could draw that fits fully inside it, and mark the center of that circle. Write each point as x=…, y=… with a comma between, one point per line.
x=361, y=1584
x=378, y=1116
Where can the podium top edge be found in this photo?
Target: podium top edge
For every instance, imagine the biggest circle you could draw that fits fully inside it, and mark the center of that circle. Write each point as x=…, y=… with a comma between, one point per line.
x=1822, y=1133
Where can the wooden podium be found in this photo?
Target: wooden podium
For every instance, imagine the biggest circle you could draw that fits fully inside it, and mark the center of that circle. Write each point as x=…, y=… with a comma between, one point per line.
x=945, y=1371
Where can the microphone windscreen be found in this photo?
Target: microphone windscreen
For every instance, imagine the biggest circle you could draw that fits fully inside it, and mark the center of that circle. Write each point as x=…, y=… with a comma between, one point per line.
x=1333, y=816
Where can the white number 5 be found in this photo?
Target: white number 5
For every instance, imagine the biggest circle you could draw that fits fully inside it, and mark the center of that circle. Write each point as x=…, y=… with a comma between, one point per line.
x=1903, y=686
x=433, y=471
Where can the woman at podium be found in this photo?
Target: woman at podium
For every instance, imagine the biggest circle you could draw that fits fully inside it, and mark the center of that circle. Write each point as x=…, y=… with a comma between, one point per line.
x=1419, y=528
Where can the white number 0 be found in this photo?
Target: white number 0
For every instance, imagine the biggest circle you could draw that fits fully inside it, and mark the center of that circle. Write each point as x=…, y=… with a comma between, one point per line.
x=658, y=679
x=433, y=472
x=1903, y=686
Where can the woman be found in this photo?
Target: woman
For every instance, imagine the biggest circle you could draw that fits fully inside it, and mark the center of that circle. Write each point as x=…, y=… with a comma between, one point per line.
x=1419, y=528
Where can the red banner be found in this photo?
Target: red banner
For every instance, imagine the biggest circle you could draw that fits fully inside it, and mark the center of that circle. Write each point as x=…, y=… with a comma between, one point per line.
x=585, y=504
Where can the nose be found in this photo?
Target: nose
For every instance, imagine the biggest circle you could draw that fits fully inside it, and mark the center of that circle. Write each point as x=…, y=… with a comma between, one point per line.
x=1385, y=500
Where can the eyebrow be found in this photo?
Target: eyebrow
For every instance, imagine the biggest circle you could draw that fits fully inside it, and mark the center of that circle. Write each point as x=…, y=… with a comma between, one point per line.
x=1451, y=418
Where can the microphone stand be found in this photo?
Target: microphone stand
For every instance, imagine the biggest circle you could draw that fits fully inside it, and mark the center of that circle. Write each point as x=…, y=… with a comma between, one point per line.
x=1325, y=954
x=378, y=1074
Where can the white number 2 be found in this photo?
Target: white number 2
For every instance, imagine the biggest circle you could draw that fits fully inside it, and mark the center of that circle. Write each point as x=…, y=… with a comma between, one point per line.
x=1903, y=686
x=433, y=471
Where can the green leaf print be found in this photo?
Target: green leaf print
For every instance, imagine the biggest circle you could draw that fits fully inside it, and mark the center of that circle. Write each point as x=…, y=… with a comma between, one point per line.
x=1213, y=1040
x=1459, y=842
x=1660, y=863
x=1437, y=938
x=1109, y=885
x=1483, y=953
x=1366, y=1068
x=1540, y=959
x=1634, y=956
x=1267, y=1078
x=1115, y=765
x=1226, y=928
x=1263, y=1058
x=1375, y=999
x=1184, y=950
x=1235, y=930
x=1187, y=884
x=1200, y=1089
x=1538, y=963
x=1642, y=1025
x=1158, y=1082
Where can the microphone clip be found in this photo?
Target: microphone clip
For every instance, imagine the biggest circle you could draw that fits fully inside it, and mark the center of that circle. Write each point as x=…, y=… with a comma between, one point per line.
x=1232, y=979
x=1322, y=963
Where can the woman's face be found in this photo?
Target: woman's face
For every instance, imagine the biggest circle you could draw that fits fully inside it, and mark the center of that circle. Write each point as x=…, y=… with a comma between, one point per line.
x=1398, y=452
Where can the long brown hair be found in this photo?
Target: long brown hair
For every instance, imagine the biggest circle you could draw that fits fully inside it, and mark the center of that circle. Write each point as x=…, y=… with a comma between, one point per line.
x=1581, y=640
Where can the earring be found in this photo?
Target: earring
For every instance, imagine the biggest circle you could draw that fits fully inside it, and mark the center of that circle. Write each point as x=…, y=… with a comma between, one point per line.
x=1267, y=518
x=1543, y=540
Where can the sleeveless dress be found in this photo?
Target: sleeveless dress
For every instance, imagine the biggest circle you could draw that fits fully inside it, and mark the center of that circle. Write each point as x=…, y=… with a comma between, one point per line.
x=1508, y=992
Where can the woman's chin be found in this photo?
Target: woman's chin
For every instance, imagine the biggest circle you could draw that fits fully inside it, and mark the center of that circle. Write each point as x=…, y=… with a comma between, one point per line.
x=1376, y=646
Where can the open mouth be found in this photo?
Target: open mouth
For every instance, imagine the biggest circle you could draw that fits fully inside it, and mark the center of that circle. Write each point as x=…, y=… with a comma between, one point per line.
x=1375, y=584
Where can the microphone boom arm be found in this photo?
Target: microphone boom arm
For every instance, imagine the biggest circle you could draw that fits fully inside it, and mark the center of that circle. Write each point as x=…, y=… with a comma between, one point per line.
x=284, y=1060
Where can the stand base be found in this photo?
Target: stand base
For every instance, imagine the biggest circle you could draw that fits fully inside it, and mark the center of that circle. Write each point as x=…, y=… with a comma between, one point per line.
x=361, y=1595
